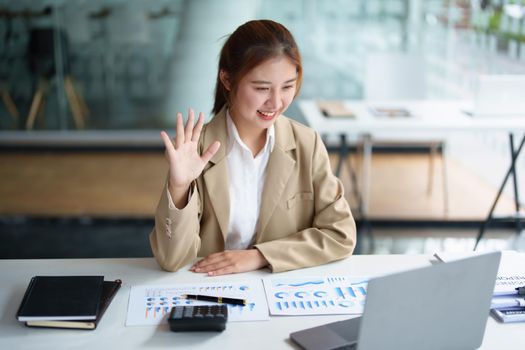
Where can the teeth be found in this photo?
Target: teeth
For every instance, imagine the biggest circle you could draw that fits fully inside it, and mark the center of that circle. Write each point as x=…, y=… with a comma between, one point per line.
x=268, y=114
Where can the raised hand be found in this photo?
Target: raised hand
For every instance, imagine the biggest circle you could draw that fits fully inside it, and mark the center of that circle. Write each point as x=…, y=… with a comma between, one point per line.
x=185, y=162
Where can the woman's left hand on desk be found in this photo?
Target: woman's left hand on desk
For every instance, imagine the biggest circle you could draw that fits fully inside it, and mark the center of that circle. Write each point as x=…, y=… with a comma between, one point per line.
x=230, y=261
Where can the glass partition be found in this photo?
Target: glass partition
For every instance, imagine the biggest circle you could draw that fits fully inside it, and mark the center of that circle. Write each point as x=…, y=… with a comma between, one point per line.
x=123, y=65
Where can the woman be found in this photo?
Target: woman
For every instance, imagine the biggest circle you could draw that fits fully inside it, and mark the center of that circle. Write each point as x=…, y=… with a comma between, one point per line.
x=251, y=188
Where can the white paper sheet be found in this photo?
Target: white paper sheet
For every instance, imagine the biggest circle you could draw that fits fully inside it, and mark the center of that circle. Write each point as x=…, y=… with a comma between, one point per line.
x=511, y=272
x=316, y=295
x=151, y=304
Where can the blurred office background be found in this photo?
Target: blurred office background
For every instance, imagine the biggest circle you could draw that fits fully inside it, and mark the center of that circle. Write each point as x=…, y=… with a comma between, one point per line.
x=87, y=85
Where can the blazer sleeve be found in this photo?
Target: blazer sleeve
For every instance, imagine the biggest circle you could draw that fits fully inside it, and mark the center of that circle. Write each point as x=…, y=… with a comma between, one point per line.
x=175, y=239
x=333, y=232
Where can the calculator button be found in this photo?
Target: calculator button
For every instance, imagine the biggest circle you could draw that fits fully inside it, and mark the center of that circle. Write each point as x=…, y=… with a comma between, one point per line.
x=188, y=311
x=178, y=312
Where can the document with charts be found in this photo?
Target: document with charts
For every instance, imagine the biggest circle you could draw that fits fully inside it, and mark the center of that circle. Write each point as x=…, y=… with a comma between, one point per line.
x=151, y=304
x=315, y=295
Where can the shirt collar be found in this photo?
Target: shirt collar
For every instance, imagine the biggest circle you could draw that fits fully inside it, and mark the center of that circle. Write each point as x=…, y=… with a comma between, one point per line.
x=233, y=135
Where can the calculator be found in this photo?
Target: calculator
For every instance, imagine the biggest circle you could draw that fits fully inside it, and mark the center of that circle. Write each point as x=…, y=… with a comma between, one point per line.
x=198, y=318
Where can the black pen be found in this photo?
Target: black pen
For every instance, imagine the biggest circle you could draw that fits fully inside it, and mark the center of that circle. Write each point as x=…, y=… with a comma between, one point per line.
x=220, y=300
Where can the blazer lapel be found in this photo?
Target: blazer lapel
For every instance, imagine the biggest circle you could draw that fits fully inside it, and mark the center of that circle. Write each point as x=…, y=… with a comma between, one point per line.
x=280, y=167
x=216, y=174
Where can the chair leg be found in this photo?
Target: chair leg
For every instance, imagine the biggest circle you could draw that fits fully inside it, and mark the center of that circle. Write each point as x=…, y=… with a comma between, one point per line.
x=444, y=160
x=10, y=106
x=74, y=103
x=366, y=176
x=431, y=165
x=82, y=103
x=35, y=104
x=40, y=113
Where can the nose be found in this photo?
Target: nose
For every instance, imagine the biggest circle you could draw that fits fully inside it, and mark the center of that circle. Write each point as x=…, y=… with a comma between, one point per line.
x=274, y=100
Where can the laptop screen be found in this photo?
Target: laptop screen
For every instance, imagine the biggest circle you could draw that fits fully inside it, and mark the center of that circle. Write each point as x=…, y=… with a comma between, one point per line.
x=438, y=307
x=444, y=306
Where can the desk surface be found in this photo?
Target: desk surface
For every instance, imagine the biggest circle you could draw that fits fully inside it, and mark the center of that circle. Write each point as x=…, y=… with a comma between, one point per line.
x=112, y=332
x=428, y=115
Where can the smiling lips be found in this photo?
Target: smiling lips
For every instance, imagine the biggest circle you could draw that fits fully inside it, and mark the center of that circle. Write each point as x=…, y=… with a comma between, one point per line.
x=266, y=115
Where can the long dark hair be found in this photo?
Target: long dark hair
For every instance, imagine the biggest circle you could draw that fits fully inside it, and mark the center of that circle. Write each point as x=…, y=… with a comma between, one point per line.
x=248, y=46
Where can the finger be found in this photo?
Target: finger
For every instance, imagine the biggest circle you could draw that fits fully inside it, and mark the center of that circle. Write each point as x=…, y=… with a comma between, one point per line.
x=223, y=271
x=210, y=260
x=210, y=152
x=167, y=143
x=216, y=266
x=189, y=125
x=194, y=266
x=179, y=139
x=198, y=128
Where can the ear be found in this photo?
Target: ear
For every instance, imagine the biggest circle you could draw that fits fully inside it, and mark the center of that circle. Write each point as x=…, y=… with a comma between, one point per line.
x=225, y=80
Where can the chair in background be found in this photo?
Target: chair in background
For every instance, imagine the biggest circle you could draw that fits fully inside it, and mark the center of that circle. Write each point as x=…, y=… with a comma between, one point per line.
x=42, y=60
x=9, y=103
x=401, y=76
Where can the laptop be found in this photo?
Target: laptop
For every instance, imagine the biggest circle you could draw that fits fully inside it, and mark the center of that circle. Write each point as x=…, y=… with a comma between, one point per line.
x=499, y=96
x=443, y=306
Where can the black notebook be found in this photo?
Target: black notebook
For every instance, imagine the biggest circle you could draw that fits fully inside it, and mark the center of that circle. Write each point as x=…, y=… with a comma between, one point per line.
x=61, y=298
x=109, y=290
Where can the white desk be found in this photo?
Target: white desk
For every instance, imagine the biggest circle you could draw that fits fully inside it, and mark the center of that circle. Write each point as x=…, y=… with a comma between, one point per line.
x=430, y=117
x=112, y=332
x=433, y=116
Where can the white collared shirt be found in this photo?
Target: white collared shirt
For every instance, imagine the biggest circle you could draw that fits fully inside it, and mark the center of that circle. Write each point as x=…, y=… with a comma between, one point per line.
x=246, y=174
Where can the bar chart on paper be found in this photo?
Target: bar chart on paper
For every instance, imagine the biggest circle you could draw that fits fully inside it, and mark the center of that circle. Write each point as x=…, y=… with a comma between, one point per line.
x=151, y=305
x=316, y=295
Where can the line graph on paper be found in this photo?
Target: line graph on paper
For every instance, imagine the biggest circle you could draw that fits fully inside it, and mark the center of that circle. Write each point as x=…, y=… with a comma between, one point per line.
x=316, y=295
x=151, y=305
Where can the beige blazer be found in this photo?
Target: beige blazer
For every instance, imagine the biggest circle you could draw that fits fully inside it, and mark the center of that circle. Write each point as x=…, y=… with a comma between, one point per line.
x=304, y=218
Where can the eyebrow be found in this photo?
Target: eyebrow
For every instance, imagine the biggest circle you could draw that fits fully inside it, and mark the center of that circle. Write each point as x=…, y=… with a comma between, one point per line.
x=269, y=82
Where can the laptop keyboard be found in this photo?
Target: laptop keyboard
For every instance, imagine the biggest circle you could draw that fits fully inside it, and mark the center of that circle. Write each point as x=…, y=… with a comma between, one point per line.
x=347, y=329
x=346, y=347
x=341, y=328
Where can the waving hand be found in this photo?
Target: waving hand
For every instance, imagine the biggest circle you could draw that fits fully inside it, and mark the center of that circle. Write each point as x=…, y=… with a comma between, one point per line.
x=185, y=162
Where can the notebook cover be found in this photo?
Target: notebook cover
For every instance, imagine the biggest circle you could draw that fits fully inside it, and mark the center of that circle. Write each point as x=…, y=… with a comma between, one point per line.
x=109, y=290
x=61, y=298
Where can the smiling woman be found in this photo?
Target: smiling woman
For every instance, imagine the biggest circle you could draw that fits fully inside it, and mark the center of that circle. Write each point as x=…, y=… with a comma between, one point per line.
x=260, y=97
x=251, y=188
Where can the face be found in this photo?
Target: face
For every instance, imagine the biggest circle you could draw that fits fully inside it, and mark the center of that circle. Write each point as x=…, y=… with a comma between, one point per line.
x=263, y=94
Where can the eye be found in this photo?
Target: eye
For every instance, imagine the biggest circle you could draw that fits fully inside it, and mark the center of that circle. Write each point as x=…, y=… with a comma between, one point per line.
x=261, y=88
x=288, y=87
